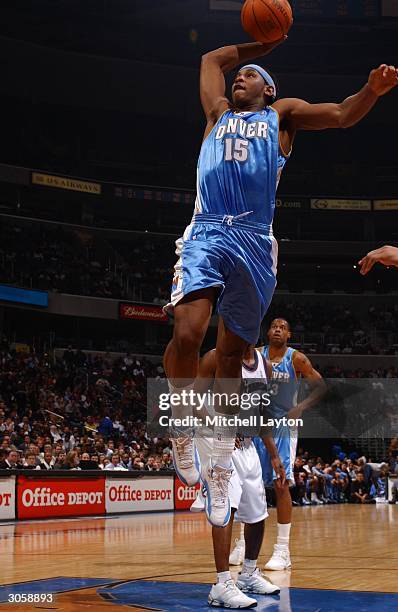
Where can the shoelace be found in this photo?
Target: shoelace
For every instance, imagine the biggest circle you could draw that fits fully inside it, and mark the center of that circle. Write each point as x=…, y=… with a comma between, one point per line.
x=184, y=451
x=231, y=587
x=219, y=484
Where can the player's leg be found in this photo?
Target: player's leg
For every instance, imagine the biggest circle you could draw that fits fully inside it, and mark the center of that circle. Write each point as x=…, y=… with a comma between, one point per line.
x=181, y=360
x=252, y=510
x=191, y=320
x=286, y=443
x=280, y=559
x=225, y=593
x=230, y=349
x=238, y=553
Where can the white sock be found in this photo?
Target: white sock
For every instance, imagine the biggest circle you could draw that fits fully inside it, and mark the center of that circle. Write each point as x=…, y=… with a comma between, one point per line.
x=283, y=534
x=313, y=496
x=179, y=412
x=223, y=576
x=223, y=444
x=249, y=565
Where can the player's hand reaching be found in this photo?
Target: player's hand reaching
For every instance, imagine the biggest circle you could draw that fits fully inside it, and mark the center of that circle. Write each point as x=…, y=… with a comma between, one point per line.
x=269, y=46
x=386, y=255
x=279, y=470
x=383, y=79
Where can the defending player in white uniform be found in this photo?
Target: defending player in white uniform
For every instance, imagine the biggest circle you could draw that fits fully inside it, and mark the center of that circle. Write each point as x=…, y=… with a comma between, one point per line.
x=288, y=367
x=245, y=488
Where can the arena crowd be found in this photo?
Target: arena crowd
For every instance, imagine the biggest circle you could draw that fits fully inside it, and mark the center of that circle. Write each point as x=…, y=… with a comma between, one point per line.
x=86, y=412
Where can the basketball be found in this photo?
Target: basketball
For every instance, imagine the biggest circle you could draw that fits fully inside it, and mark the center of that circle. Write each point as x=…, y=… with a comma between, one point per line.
x=266, y=20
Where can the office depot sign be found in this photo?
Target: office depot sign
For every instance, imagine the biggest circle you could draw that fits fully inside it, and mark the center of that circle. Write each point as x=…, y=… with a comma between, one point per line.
x=144, y=494
x=7, y=498
x=60, y=497
x=184, y=496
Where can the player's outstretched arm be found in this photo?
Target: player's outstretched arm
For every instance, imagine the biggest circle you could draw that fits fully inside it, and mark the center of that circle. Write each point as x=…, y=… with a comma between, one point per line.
x=305, y=369
x=217, y=63
x=386, y=255
x=301, y=115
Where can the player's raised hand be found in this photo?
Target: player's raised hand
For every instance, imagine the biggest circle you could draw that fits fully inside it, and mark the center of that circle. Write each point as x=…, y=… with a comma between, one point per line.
x=268, y=47
x=383, y=79
x=386, y=255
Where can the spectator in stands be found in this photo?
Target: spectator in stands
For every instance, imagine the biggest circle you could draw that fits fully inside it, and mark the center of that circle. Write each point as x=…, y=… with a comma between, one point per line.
x=360, y=492
x=11, y=461
x=138, y=464
x=60, y=461
x=298, y=492
x=101, y=461
x=47, y=462
x=149, y=463
x=30, y=462
x=6, y=442
x=72, y=461
x=315, y=481
x=54, y=433
x=366, y=469
x=25, y=444
x=110, y=449
x=167, y=462
x=114, y=463
x=106, y=426
x=126, y=461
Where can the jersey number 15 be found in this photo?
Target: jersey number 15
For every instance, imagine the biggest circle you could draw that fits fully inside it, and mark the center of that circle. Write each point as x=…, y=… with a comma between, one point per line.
x=236, y=148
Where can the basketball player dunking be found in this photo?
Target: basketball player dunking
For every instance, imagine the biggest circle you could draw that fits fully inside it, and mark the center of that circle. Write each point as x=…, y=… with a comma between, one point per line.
x=228, y=255
x=288, y=367
x=245, y=490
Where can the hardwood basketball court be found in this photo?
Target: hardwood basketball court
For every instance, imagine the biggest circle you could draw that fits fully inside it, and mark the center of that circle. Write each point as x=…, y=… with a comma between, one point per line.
x=343, y=556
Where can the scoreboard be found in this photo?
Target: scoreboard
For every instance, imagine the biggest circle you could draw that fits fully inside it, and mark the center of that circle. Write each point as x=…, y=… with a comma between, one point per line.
x=318, y=9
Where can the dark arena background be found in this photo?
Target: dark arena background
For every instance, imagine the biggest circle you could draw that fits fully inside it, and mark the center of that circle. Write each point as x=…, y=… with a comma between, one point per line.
x=101, y=126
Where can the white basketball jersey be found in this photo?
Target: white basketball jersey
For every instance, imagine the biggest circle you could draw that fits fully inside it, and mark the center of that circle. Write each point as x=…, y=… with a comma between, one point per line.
x=257, y=370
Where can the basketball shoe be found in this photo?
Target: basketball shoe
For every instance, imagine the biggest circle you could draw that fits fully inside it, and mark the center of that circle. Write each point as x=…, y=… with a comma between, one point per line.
x=256, y=583
x=186, y=460
x=238, y=554
x=215, y=488
x=280, y=559
x=199, y=503
x=227, y=595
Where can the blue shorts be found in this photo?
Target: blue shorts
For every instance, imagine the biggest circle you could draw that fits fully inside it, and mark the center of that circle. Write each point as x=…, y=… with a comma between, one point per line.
x=285, y=439
x=239, y=257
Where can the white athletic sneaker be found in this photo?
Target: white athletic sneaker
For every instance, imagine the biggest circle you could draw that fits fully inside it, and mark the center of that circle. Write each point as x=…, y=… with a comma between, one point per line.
x=215, y=488
x=199, y=503
x=186, y=460
x=280, y=559
x=227, y=595
x=256, y=583
x=238, y=554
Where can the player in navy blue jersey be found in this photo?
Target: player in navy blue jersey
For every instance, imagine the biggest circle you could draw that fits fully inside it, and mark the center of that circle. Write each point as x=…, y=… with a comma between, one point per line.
x=227, y=256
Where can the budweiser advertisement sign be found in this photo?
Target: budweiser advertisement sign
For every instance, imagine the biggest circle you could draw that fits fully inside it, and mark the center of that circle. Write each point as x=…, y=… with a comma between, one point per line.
x=184, y=496
x=145, y=313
